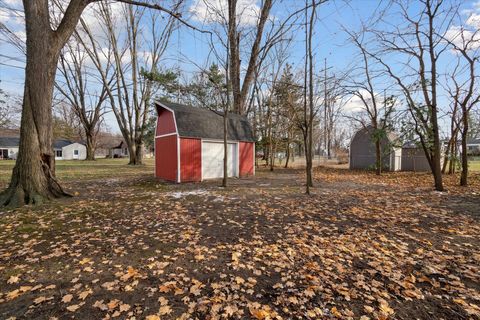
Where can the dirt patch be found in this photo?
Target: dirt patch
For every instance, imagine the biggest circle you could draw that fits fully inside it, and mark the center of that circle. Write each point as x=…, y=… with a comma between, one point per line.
x=361, y=245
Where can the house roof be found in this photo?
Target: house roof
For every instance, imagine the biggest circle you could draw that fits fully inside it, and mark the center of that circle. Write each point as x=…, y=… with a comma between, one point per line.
x=60, y=143
x=9, y=141
x=119, y=146
x=204, y=123
x=473, y=141
x=15, y=142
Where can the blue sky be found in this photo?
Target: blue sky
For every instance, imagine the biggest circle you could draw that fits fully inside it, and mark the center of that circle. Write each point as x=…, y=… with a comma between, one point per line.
x=187, y=45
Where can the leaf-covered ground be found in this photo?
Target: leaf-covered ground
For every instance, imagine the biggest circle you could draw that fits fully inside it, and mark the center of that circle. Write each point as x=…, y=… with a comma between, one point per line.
x=361, y=247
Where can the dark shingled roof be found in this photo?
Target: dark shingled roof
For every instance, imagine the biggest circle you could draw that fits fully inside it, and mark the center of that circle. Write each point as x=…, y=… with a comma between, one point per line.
x=9, y=141
x=204, y=123
x=60, y=143
x=15, y=142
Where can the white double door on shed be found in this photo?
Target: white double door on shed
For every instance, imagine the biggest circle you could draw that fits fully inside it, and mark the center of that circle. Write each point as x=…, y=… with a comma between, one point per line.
x=212, y=159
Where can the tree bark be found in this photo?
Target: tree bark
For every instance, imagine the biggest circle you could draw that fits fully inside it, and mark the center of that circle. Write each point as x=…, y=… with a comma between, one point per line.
x=464, y=174
x=287, y=158
x=309, y=128
x=91, y=145
x=33, y=178
x=225, y=148
x=139, y=146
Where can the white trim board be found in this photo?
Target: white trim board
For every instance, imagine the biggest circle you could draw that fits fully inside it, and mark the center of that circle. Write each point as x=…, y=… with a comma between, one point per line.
x=165, y=135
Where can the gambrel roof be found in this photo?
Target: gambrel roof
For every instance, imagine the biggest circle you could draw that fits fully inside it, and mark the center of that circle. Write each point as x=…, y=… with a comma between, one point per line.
x=196, y=122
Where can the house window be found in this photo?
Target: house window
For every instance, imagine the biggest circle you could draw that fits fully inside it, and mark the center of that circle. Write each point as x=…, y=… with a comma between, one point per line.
x=125, y=151
x=58, y=153
x=75, y=152
x=3, y=153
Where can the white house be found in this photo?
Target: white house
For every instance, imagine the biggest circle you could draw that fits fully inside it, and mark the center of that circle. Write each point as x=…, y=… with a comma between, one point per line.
x=119, y=151
x=473, y=147
x=9, y=147
x=64, y=149
x=68, y=150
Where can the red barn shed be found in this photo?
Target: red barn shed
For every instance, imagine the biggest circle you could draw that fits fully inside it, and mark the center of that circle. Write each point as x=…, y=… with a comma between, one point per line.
x=189, y=144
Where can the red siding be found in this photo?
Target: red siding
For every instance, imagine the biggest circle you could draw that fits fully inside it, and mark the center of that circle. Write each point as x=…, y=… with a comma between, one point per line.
x=246, y=158
x=190, y=159
x=166, y=157
x=165, y=123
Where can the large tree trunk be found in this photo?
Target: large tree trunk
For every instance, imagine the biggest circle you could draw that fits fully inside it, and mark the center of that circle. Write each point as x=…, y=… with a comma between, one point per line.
x=446, y=156
x=33, y=178
x=308, y=162
x=464, y=174
x=309, y=129
x=288, y=152
x=453, y=158
x=132, y=154
x=139, y=146
x=225, y=149
x=91, y=143
x=437, y=156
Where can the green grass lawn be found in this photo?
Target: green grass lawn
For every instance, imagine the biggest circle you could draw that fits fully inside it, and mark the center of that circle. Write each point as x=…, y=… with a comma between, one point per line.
x=79, y=170
x=105, y=168
x=475, y=165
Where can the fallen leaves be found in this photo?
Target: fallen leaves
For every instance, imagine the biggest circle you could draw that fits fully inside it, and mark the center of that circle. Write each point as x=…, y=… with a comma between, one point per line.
x=164, y=310
x=84, y=294
x=67, y=298
x=40, y=300
x=13, y=279
x=73, y=307
x=360, y=250
x=131, y=273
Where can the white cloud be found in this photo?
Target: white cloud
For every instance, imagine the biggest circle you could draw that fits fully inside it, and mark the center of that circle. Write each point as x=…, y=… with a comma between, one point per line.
x=474, y=20
x=463, y=38
x=353, y=105
x=15, y=3
x=215, y=11
x=91, y=18
x=22, y=35
x=467, y=35
x=4, y=17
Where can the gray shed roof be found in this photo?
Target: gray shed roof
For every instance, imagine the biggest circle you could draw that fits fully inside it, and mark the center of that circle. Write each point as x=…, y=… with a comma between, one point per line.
x=391, y=136
x=9, y=141
x=204, y=123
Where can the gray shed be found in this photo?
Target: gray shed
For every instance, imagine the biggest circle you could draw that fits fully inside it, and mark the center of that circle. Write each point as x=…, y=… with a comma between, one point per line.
x=362, y=151
x=413, y=158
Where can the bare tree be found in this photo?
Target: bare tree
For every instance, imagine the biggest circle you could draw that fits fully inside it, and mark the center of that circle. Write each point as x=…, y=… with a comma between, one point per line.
x=451, y=150
x=419, y=41
x=8, y=110
x=364, y=86
x=308, y=107
x=241, y=89
x=334, y=100
x=86, y=100
x=465, y=91
x=133, y=87
x=33, y=178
